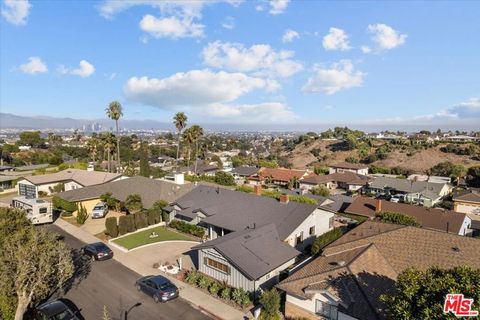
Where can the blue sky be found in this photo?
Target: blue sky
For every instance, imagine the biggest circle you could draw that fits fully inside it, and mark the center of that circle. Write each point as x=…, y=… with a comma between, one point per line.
x=238, y=61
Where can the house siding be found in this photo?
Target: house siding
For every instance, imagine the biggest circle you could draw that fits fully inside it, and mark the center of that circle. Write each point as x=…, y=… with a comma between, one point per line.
x=298, y=308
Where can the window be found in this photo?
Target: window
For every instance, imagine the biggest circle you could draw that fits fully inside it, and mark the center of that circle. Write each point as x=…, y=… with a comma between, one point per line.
x=312, y=231
x=43, y=210
x=326, y=310
x=299, y=238
x=218, y=265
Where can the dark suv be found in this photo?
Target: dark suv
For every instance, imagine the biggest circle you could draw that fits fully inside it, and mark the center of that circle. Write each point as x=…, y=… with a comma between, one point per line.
x=98, y=251
x=56, y=310
x=158, y=287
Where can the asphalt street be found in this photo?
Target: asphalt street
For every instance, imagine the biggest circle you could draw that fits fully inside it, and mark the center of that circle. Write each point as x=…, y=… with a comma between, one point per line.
x=110, y=284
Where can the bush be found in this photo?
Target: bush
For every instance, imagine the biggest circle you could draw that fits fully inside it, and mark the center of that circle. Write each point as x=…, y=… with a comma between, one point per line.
x=122, y=225
x=133, y=203
x=140, y=220
x=270, y=301
x=131, y=223
x=165, y=217
x=325, y=239
x=192, y=277
x=214, y=288
x=320, y=191
x=226, y=293
x=241, y=297
x=203, y=282
x=159, y=205
x=60, y=204
x=224, y=179
x=111, y=226
x=302, y=199
x=187, y=228
x=244, y=188
x=397, y=218
x=151, y=217
x=81, y=214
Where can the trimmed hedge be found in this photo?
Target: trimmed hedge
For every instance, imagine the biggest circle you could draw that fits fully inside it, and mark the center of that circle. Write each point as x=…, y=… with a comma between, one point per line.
x=140, y=220
x=59, y=203
x=130, y=223
x=111, y=226
x=397, y=218
x=187, y=228
x=151, y=217
x=122, y=225
x=325, y=239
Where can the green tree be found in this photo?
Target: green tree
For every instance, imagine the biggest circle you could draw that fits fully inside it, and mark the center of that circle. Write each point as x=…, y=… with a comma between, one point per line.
x=108, y=142
x=81, y=214
x=197, y=133
x=421, y=294
x=144, y=165
x=33, y=262
x=133, y=203
x=473, y=176
x=397, y=218
x=270, y=301
x=180, y=122
x=224, y=179
x=114, y=112
x=31, y=138
x=447, y=169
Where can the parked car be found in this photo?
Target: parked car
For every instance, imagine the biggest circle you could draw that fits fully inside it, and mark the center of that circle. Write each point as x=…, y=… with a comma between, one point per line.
x=100, y=210
x=398, y=198
x=158, y=287
x=383, y=197
x=98, y=251
x=56, y=310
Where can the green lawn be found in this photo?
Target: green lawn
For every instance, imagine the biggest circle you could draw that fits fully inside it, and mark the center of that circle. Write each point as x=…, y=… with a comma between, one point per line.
x=142, y=238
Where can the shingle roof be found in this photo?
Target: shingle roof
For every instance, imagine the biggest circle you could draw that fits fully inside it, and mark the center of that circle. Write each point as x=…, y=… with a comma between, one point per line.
x=83, y=177
x=345, y=177
x=245, y=171
x=352, y=166
x=149, y=189
x=234, y=210
x=429, y=189
x=201, y=167
x=255, y=252
x=374, y=253
x=430, y=218
x=280, y=174
x=468, y=195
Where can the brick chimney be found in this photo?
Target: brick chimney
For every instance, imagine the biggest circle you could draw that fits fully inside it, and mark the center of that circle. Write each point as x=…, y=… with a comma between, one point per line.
x=378, y=206
x=284, y=198
x=257, y=189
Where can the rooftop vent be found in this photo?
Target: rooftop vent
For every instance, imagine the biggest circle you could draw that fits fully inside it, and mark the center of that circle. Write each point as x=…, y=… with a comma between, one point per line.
x=456, y=249
x=341, y=263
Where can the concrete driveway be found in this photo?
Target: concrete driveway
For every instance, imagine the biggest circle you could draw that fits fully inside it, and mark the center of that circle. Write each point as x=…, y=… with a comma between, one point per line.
x=95, y=226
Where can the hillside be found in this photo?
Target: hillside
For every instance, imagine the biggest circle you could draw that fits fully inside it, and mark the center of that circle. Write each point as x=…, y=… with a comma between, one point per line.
x=420, y=161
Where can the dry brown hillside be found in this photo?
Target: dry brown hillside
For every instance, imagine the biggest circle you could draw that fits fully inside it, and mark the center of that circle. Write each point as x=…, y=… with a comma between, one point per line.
x=420, y=161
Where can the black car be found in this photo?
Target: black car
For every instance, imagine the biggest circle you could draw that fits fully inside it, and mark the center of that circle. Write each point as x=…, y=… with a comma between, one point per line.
x=56, y=310
x=158, y=287
x=98, y=251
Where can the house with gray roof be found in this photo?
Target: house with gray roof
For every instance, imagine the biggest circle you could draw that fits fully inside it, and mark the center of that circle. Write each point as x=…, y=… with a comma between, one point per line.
x=251, y=238
x=419, y=192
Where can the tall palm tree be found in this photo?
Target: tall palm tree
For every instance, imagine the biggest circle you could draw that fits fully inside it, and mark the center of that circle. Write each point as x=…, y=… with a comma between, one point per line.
x=180, y=122
x=114, y=112
x=92, y=146
x=108, y=140
x=188, y=138
x=197, y=134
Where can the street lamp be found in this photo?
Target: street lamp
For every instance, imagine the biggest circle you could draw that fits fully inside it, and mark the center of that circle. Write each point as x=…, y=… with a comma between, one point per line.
x=138, y=304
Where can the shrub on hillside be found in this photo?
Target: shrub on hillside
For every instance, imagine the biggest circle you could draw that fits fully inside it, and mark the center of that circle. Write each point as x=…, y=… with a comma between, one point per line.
x=325, y=239
x=122, y=225
x=111, y=226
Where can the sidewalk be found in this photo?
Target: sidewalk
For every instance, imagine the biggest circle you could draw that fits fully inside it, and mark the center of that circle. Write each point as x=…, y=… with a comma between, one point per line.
x=193, y=295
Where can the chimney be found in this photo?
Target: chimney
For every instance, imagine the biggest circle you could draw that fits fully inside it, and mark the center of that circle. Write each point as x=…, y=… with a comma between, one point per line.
x=257, y=189
x=284, y=198
x=378, y=207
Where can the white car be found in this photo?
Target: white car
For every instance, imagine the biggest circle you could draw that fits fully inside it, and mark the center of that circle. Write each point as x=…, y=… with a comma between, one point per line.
x=100, y=210
x=398, y=198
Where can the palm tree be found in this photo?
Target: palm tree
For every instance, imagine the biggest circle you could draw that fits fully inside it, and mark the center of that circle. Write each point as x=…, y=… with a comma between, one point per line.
x=92, y=146
x=108, y=140
x=180, y=122
x=114, y=112
x=197, y=134
x=188, y=138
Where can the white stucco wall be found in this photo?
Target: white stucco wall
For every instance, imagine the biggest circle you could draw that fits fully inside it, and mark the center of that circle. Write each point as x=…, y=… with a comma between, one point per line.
x=470, y=208
x=309, y=304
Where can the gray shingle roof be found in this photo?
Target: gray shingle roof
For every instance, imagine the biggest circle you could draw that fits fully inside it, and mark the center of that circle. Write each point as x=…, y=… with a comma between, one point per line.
x=429, y=189
x=244, y=171
x=234, y=210
x=149, y=189
x=255, y=252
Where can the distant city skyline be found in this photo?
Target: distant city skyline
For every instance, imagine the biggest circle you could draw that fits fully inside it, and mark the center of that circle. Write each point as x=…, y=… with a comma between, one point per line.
x=245, y=64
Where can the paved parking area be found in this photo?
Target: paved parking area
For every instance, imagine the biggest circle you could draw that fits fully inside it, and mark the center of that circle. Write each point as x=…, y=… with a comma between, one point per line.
x=95, y=226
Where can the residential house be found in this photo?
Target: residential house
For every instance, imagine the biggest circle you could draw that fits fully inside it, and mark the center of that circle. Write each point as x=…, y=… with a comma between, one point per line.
x=462, y=138
x=429, y=218
x=419, y=192
x=344, y=180
x=357, y=168
x=70, y=178
x=252, y=238
x=208, y=169
x=243, y=172
x=278, y=176
x=7, y=182
x=150, y=190
x=351, y=274
x=468, y=202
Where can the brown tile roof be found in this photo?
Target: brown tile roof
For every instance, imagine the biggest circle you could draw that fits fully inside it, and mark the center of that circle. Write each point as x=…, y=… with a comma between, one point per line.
x=373, y=254
x=344, y=177
x=351, y=166
x=280, y=174
x=430, y=218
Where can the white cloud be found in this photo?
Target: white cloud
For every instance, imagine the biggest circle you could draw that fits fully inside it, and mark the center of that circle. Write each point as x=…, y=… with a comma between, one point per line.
x=33, y=66
x=171, y=27
x=465, y=110
x=289, y=36
x=366, y=49
x=228, y=23
x=84, y=70
x=16, y=11
x=278, y=6
x=385, y=36
x=262, y=112
x=340, y=76
x=260, y=59
x=336, y=39
x=195, y=87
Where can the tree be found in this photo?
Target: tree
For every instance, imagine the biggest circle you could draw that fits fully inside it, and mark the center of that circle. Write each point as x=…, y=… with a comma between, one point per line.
x=189, y=139
x=133, y=202
x=421, y=294
x=81, y=214
x=144, y=165
x=447, y=169
x=320, y=191
x=33, y=262
x=473, y=176
x=92, y=146
x=114, y=112
x=180, y=122
x=31, y=138
x=108, y=141
x=224, y=179
x=197, y=133
x=397, y=218
x=270, y=301
x=111, y=226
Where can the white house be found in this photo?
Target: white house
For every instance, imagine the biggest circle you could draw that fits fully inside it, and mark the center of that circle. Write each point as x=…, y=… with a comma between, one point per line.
x=357, y=168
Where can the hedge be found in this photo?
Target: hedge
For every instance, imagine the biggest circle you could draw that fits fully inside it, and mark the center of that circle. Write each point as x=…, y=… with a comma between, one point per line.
x=325, y=239
x=61, y=204
x=131, y=223
x=397, y=218
x=122, y=225
x=140, y=220
x=187, y=228
x=151, y=217
x=111, y=226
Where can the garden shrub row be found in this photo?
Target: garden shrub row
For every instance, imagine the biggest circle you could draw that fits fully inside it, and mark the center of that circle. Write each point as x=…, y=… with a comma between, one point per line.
x=131, y=222
x=60, y=204
x=187, y=228
x=218, y=289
